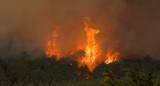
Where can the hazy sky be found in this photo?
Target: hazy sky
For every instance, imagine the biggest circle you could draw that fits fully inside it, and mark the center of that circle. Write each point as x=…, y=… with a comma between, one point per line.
x=130, y=26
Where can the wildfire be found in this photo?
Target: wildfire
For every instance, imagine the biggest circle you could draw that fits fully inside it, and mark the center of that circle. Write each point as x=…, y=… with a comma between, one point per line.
x=52, y=47
x=111, y=56
x=92, y=48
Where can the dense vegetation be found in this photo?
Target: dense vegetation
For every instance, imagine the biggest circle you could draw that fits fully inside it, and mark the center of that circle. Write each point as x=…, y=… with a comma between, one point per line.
x=49, y=72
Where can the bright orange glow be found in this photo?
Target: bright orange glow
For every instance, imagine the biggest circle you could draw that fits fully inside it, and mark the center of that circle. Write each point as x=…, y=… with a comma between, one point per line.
x=52, y=47
x=92, y=55
x=111, y=56
x=92, y=48
x=79, y=47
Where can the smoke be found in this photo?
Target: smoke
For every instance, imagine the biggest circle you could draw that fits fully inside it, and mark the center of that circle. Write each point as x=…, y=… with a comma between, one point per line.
x=142, y=31
x=129, y=26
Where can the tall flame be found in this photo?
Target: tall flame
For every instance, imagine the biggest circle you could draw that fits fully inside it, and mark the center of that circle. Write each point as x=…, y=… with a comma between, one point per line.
x=52, y=46
x=92, y=48
x=111, y=56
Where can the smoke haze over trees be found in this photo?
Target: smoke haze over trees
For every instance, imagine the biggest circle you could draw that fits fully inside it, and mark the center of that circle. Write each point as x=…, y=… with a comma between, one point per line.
x=130, y=26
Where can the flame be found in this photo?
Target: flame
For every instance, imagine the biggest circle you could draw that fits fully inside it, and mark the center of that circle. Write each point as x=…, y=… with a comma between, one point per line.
x=111, y=56
x=92, y=48
x=52, y=47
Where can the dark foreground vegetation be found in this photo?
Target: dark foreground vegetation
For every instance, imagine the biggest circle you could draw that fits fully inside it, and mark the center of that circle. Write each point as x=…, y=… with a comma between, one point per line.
x=49, y=72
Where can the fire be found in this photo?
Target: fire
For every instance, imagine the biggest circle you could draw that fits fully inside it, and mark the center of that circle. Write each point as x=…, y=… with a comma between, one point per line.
x=93, y=53
x=111, y=56
x=52, y=46
x=92, y=48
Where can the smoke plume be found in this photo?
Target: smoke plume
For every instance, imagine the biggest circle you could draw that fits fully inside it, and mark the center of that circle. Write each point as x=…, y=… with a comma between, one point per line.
x=129, y=26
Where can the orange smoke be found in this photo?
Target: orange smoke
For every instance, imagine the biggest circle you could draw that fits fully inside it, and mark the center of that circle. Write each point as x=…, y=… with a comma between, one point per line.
x=111, y=56
x=52, y=46
x=92, y=48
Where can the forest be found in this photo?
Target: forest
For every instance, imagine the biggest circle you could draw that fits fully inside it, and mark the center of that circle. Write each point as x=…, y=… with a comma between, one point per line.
x=79, y=43
x=64, y=72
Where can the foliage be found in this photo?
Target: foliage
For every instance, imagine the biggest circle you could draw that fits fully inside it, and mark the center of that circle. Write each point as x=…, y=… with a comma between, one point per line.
x=132, y=78
x=64, y=72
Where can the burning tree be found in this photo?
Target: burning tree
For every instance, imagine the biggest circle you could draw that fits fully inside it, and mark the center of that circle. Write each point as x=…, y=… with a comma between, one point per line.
x=93, y=52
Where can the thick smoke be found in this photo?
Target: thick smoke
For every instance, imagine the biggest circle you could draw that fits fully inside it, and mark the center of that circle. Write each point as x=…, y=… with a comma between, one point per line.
x=129, y=26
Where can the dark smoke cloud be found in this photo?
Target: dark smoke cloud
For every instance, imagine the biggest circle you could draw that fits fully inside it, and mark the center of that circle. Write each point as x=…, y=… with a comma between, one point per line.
x=130, y=26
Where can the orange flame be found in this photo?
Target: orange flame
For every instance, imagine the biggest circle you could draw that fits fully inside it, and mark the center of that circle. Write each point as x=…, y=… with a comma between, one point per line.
x=52, y=47
x=111, y=56
x=92, y=48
